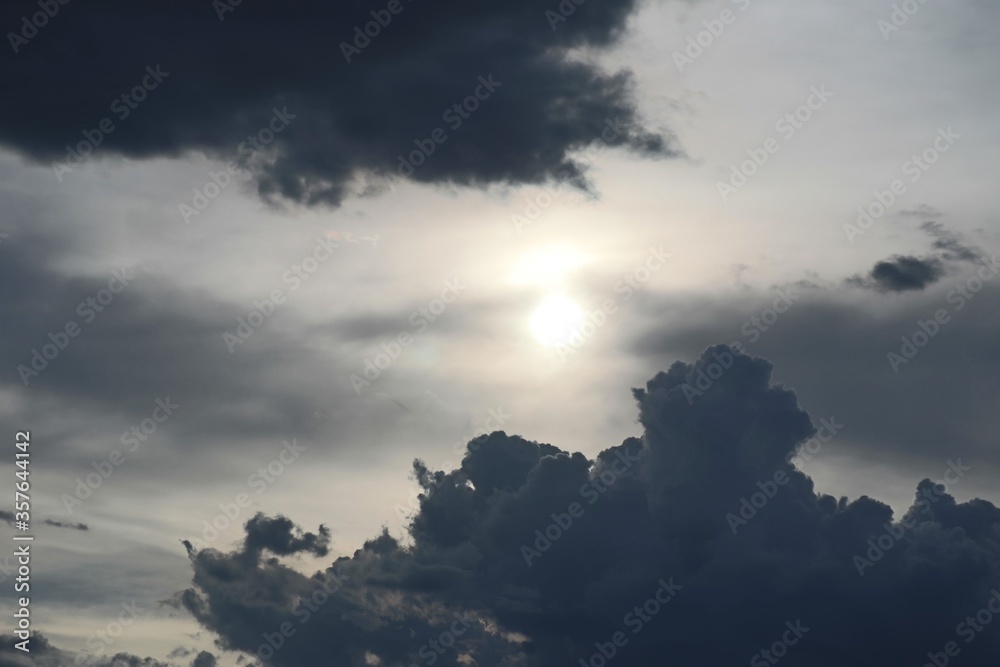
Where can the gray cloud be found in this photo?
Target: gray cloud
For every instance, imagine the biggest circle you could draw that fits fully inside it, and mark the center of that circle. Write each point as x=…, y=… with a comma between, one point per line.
x=152, y=341
x=905, y=273
x=949, y=245
x=901, y=274
x=218, y=86
x=662, y=513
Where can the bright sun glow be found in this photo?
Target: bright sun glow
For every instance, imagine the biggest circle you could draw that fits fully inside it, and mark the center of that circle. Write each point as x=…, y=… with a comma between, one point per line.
x=555, y=319
x=546, y=266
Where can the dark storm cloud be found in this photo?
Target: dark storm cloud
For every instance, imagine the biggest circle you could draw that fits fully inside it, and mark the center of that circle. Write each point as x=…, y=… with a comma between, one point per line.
x=904, y=273
x=219, y=82
x=652, y=515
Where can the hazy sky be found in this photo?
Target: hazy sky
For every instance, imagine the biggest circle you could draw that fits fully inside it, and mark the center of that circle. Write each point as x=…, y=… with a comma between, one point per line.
x=252, y=292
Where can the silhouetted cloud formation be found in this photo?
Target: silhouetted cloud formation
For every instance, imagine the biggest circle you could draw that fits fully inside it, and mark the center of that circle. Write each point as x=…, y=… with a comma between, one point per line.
x=278, y=535
x=310, y=104
x=702, y=530
x=903, y=273
x=204, y=659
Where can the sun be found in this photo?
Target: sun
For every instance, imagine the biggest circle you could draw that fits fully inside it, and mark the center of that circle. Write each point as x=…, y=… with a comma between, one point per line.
x=555, y=319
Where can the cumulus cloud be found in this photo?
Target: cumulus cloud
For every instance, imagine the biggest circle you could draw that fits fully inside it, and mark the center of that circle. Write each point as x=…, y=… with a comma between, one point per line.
x=351, y=105
x=532, y=555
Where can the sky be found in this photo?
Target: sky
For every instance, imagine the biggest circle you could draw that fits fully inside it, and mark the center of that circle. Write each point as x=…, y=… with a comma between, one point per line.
x=391, y=334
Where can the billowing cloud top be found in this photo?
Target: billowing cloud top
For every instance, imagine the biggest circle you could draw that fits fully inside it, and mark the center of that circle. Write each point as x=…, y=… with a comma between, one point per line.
x=315, y=97
x=703, y=531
